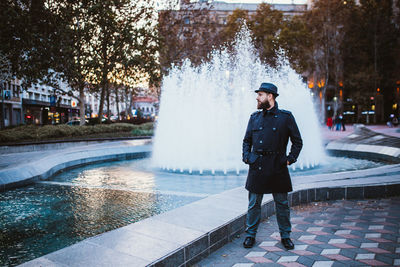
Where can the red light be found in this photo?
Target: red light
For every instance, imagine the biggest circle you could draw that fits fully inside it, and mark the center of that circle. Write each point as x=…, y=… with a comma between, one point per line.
x=28, y=117
x=372, y=98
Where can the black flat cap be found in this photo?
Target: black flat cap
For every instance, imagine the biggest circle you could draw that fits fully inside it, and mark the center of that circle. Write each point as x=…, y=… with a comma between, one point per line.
x=269, y=88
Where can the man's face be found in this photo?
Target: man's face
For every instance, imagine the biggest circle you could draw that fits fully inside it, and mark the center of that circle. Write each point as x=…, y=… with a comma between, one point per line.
x=263, y=100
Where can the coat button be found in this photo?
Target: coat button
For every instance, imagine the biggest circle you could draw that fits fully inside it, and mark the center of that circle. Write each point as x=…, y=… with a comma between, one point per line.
x=259, y=168
x=274, y=129
x=261, y=142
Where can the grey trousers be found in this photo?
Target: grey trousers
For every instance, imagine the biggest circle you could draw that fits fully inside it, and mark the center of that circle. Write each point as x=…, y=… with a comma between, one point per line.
x=282, y=214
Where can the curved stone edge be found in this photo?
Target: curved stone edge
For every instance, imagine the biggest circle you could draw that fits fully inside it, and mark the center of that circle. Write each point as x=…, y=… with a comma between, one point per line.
x=368, y=154
x=32, y=172
x=59, y=144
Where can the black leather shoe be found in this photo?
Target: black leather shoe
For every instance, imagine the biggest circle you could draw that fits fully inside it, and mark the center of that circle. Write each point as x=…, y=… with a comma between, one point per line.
x=287, y=243
x=249, y=242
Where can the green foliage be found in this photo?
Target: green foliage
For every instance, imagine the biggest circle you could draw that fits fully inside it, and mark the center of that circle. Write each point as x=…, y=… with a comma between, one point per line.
x=271, y=33
x=48, y=132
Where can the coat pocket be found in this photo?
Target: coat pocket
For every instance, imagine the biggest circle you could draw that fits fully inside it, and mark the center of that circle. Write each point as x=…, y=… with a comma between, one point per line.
x=252, y=158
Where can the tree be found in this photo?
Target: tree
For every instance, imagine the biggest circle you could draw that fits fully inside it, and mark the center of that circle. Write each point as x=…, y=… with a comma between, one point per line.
x=125, y=39
x=297, y=41
x=101, y=38
x=27, y=38
x=266, y=25
x=233, y=24
x=371, y=56
x=5, y=75
x=188, y=31
x=326, y=23
x=72, y=62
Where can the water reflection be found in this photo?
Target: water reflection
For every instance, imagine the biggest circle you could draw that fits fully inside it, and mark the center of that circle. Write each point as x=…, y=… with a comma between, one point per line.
x=39, y=219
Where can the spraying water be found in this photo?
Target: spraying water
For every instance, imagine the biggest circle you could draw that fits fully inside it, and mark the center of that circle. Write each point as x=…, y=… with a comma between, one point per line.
x=204, y=111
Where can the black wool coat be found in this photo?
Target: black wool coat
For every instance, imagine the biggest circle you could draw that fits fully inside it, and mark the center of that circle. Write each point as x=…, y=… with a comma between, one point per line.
x=264, y=149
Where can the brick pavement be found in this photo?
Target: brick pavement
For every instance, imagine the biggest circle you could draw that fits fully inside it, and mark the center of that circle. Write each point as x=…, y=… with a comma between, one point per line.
x=334, y=233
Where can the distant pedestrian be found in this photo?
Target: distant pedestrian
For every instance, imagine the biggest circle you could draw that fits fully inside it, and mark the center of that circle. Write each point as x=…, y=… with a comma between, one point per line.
x=342, y=122
x=393, y=121
x=329, y=123
x=337, y=123
x=264, y=149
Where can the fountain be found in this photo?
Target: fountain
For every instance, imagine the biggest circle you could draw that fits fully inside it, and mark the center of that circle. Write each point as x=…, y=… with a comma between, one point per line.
x=204, y=111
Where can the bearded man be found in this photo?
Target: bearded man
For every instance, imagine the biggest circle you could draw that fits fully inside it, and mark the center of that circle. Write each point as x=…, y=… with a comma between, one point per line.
x=264, y=149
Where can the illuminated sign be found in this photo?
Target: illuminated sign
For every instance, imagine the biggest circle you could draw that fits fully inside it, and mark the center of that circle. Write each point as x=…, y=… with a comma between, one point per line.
x=73, y=104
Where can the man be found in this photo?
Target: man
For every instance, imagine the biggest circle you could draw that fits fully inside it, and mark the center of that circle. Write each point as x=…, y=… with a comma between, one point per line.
x=264, y=149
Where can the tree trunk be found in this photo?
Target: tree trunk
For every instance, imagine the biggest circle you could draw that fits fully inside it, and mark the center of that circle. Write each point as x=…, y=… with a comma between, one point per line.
x=108, y=103
x=103, y=90
x=117, y=101
x=82, y=106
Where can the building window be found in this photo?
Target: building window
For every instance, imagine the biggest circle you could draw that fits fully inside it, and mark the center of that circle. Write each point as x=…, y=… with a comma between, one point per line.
x=30, y=94
x=69, y=102
x=37, y=96
x=15, y=90
x=43, y=97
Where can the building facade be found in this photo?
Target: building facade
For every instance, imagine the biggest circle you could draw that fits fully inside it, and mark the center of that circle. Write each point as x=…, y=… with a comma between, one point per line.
x=43, y=105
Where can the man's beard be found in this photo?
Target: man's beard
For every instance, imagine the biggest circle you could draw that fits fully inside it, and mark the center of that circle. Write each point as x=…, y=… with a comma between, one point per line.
x=263, y=105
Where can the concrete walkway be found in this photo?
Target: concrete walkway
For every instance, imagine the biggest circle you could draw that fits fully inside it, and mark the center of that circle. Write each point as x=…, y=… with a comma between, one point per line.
x=334, y=233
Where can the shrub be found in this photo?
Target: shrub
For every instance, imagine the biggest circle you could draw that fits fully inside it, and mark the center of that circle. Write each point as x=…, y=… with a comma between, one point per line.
x=39, y=133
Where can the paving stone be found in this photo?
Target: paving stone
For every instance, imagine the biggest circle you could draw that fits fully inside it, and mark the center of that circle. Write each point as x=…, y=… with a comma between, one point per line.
x=338, y=264
x=288, y=259
x=384, y=258
x=373, y=262
x=330, y=251
x=368, y=256
x=255, y=254
x=323, y=264
x=337, y=257
x=369, y=245
x=292, y=264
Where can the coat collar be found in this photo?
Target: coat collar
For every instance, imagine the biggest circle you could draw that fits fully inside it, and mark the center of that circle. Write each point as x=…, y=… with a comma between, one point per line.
x=273, y=110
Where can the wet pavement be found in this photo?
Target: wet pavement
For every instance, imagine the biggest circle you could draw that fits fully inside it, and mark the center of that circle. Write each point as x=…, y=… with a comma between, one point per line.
x=333, y=233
